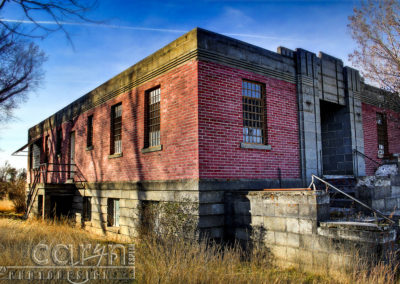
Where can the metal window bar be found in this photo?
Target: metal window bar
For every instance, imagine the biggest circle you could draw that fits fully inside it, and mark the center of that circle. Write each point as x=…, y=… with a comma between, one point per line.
x=253, y=113
x=383, y=144
x=154, y=116
x=376, y=212
x=116, y=129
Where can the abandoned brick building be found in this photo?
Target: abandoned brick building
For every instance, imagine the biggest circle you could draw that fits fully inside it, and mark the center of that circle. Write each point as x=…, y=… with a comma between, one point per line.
x=202, y=118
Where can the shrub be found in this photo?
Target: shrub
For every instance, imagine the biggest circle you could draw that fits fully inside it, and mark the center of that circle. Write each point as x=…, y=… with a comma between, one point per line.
x=16, y=193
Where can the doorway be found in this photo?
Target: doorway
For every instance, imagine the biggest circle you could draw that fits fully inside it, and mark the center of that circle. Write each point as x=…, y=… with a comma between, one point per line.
x=337, y=156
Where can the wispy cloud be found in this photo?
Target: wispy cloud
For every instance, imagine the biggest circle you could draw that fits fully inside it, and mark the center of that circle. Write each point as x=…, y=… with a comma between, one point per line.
x=111, y=26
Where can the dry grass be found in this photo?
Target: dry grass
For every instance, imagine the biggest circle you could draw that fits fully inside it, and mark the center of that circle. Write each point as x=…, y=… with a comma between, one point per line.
x=173, y=261
x=6, y=206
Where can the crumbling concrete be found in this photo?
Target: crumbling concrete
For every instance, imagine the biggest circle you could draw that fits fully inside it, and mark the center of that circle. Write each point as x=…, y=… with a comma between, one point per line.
x=295, y=227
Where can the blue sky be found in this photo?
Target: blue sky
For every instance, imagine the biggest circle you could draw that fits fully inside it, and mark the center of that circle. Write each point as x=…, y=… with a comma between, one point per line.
x=132, y=30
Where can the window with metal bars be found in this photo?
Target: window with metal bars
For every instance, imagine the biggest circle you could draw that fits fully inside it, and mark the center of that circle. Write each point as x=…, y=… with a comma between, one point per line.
x=153, y=118
x=253, y=113
x=89, y=138
x=383, y=145
x=116, y=129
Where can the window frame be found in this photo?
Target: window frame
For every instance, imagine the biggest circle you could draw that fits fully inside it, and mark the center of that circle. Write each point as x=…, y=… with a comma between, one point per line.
x=251, y=114
x=150, y=142
x=89, y=132
x=87, y=208
x=113, y=150
x=113, y=212
x=382, y=134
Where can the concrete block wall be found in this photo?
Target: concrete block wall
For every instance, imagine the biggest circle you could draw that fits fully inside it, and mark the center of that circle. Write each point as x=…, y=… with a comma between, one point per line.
x=383, y=194
x=294, y=227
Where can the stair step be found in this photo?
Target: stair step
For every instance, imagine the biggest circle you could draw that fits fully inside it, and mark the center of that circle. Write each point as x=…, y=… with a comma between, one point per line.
x=344, y=203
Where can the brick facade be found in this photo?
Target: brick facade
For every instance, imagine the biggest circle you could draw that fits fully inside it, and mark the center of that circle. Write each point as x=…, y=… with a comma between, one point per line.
x=221, y=126
x=371, y=135
x=178, y=158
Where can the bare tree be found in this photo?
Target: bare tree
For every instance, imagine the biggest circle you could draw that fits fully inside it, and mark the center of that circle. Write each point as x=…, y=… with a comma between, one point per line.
x=39, y=13
x=20, y=71
x=375, y=26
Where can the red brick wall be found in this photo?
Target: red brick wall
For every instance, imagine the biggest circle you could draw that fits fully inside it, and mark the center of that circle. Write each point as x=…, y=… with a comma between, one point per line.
x=221, y=126
x=371, y=134
x=179, y=135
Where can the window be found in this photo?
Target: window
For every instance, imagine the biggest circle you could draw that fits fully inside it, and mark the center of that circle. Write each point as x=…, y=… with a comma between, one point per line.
x=383, y=146
x=112, y=212
x=153, y=118
x=40, y=206
x=59, y=141
x=89, y=138
x=47, y=149
x=116, y=127
x=253, y=113
x=87, y=209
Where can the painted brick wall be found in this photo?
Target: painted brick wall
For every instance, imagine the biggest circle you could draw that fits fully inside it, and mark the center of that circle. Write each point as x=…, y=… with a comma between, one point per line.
x=371, y=134
x=221, y=126
x=179, y=135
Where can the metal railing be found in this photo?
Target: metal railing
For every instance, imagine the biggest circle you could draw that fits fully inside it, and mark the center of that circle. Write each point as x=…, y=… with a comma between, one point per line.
x=376, y=212
x=40, y=175
x=355, y=151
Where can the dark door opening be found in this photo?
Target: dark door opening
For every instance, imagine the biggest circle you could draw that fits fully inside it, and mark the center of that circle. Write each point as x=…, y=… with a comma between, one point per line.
x=61, y=206
x=337, y=156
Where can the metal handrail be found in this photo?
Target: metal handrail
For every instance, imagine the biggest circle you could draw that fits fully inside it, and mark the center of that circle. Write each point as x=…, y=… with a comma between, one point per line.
x=365, y=156
x=349, y=196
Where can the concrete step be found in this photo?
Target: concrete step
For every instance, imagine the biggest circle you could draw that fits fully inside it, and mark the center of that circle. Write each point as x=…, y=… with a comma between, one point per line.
x=339, y=212
x=342, y=203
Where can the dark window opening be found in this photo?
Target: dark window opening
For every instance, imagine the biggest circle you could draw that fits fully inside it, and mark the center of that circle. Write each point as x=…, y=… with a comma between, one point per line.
x=47, y=149
x=383, y=144
x=253, y=113
x=116, y=129
x=87, y=209
x=152, y=135
x=59, y=141
x=40, y=205
x=89, y=140
x=112, y=212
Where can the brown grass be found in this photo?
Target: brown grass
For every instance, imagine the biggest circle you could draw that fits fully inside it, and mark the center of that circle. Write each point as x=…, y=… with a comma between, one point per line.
x=175, y=261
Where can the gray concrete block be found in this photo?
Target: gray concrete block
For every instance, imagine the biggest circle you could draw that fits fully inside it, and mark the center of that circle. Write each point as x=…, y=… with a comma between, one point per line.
x=281, y=238
x=275, y=224
x=292, y=225
x=257, y=220
x=293, y=240
x=395, y=191
x=306, y=226
x=211, y=209
x=269, y=237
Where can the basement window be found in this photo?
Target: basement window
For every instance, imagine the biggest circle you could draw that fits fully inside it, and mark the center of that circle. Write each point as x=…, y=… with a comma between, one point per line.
x=113, y=212
x=153, y=138
x=253, y=113
x=87, y=208
x=116, y=129
x=89, y=137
